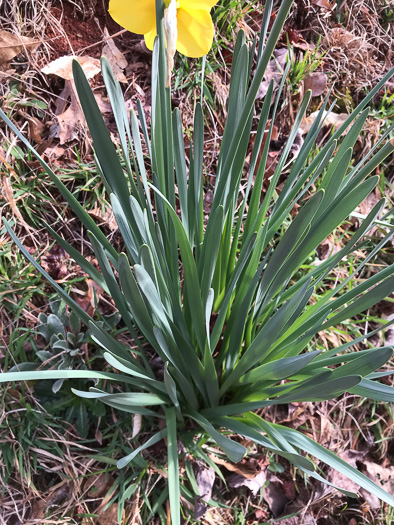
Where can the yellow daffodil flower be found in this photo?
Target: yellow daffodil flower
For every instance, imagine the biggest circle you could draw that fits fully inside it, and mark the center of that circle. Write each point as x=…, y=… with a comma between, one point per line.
x=194, y=23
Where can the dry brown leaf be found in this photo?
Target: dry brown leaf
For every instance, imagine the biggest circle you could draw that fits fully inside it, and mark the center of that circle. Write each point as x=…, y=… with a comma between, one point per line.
x=205, y=478
x=275, y=496
x=137, y=422
x=107, y=217
x=316, y=82
x=94, y=292
x=36, y=128
x=12, y=44
x=340, y=480
x=110, y=516
x=62, y=67
x=255, y=484
x=382, y=476
x=98, y=485
x=273, y=72
x=333, y=119
x=248, y=469
x=325, y=4
x=115, y=57
x=88, y=302
x=37, y=510
x=55, y=262
x=71, y=121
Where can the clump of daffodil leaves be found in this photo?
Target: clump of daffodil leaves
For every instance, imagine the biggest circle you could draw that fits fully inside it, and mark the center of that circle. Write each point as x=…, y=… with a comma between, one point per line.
x=225, y=302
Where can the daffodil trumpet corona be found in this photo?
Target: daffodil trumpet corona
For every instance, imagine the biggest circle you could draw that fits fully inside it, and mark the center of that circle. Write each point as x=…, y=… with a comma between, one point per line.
x=171, y=32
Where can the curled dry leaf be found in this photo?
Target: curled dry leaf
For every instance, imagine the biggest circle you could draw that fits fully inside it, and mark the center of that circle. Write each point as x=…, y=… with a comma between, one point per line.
x=98, y=485
x=115, y=57
x=331, y=119
x=255, y=484
x=11, y=45
x=105, y=217
x=205, y=478
x=137, y=422
x=336, y=478
x=62, y=67
x=248, y=469
x=381, y=475
x=71, y=120
x=89, y=301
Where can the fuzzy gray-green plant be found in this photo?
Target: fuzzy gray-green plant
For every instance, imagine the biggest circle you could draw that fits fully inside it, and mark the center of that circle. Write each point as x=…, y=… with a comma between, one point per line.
x=225, y=304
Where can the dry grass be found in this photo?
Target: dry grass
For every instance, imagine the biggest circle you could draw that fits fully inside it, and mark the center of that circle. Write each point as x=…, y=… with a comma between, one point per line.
x=359, y=44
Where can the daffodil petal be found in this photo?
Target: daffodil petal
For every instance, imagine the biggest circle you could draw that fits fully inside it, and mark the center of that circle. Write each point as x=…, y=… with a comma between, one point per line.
x=195, y=32
x=150, y=38
x=197, y=4
x=137, y=16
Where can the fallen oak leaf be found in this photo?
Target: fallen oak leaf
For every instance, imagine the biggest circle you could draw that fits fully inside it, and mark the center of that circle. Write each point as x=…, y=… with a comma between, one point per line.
x=71, y=120
x=11, y=45
x=62, y=67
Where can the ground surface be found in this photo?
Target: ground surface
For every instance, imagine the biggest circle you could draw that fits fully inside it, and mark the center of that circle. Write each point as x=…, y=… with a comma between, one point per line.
x=57, y=454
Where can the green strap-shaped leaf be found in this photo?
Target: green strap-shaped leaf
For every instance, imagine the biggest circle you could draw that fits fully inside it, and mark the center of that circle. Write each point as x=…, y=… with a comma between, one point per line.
x=233, y=450
x=311, y=447
x=152, y=441
x=173, y=466
x=40, y=375
x=236, y=425
x=124, y=398
x=121, y=118
x=262, y=343
x=279, y=369
x=180, y=167
x=374, y=390
x=103, y=146
x=191, y=281
x=322, y=391
x=123, y=366
x=79, y=259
